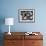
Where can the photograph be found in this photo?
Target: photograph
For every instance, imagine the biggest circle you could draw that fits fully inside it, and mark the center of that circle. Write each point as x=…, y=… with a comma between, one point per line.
x=26, y=15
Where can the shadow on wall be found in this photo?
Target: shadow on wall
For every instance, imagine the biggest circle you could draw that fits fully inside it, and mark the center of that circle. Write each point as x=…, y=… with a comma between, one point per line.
x=2, y=21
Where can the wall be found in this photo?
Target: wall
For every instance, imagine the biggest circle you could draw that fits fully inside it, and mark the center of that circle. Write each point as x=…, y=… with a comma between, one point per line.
x=9, y=8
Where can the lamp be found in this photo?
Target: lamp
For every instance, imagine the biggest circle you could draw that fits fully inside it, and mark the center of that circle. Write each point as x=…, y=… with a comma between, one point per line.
x=9, y=21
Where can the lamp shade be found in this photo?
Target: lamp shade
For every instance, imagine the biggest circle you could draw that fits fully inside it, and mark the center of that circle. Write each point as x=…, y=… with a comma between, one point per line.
x=9, y=21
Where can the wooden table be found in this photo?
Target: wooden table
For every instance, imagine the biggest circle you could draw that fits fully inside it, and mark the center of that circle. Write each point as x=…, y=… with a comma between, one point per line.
x=20, y=39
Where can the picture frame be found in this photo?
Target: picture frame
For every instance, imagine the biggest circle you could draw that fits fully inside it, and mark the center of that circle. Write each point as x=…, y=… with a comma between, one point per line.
x=26, y=15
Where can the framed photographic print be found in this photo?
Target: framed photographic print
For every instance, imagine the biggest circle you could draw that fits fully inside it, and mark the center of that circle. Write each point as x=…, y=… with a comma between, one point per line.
x=26, y=15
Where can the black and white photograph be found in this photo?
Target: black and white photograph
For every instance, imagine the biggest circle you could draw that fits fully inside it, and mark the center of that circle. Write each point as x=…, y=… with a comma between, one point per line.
x=26, y=15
